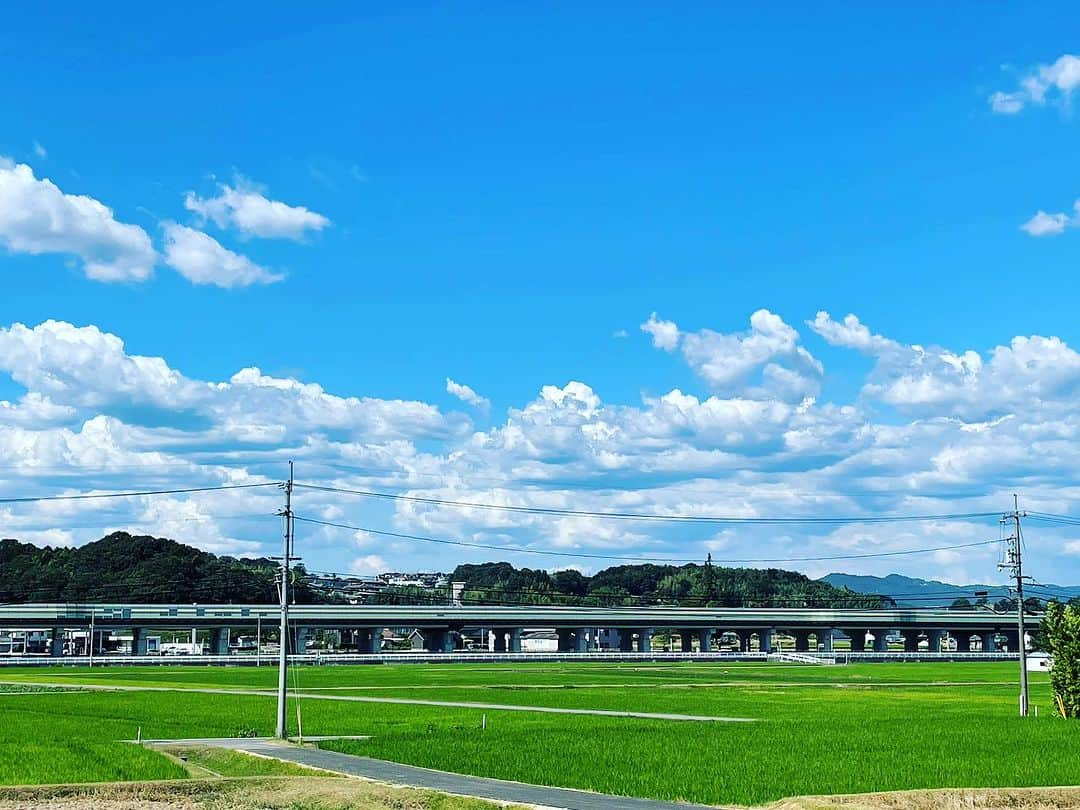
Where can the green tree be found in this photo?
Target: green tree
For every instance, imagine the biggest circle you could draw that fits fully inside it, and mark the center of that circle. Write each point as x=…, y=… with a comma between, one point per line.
x=1061, y=630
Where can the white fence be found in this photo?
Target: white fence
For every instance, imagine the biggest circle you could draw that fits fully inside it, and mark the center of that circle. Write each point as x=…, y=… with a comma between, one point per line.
x=319, y=659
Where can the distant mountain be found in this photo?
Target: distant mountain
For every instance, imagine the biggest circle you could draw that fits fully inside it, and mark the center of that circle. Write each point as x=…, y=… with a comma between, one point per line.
x=931, y=593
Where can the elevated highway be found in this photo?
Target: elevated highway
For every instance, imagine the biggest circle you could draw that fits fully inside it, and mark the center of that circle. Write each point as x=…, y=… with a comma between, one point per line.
x=627, y=629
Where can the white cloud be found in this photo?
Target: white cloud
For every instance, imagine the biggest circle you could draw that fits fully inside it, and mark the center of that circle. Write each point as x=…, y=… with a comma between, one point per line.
x=665, y=334
x=962, y=430
x=769, y=352
x=369, y=564
x=850, y=334
x=36, y=217
x=1044, y=224
x=39, y=150
x=1053, y=82
x=201, y=259
x=245, y=208
x=466, y=394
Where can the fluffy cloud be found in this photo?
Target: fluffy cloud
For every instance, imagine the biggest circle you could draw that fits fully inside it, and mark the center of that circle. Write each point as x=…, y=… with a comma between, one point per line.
x=961, y=430
x=36, y=217
x=1033, y=370
x=1055, y=81
x=665, y=334
x=201, y=259
x=466, y=394
x=247, y=209
x=1044, y=224
x=768, y=354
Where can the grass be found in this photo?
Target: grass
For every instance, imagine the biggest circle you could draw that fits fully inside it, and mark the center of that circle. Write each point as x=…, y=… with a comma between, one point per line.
x=822, y=730
x=236, y=794
x=218, y=762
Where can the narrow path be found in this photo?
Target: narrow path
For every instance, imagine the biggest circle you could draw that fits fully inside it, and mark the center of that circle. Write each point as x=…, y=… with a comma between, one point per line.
x=448, y=704
x=444, y=782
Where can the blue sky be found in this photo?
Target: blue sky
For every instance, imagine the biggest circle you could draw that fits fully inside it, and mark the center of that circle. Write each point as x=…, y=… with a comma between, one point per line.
x=502, y=196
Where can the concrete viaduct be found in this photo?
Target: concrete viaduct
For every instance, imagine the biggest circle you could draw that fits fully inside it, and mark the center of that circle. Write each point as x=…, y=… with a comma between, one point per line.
x=630, y=629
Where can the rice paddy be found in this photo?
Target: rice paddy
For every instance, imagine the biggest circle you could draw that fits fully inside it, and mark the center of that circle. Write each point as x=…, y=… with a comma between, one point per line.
x=817, y=730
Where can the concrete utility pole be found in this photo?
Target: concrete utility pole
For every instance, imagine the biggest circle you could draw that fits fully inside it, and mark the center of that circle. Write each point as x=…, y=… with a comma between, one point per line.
x=1012, y=563
x=283, y=656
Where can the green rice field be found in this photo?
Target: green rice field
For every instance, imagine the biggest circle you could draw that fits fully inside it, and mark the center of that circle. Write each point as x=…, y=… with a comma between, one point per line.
x=816, y=729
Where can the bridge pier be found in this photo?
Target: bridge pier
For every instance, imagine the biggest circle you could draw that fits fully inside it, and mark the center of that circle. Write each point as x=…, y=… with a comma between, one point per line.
x=515, y=640
x=369, y=640
x=56, y=643
x=644, y=643
x=138, y=641
x=858, y=640
x=911, y=640
x=933, y=640
x=825, y=640
x=705, y=642
x=802, y=640
x=219, y=641
x=686, y=641
x=989, y=642
x=498, y=640
x=881, y=640
x=300, y=636
x=581, y=640
x=626, y=640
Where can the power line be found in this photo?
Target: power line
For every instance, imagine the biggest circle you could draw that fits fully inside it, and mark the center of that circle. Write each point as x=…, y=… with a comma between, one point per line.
x=541, y=510
x=637, y=558
x=91, y=496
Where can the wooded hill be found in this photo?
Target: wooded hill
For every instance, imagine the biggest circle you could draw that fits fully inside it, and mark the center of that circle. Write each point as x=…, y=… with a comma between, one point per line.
x=127, y=568
x=688, y=585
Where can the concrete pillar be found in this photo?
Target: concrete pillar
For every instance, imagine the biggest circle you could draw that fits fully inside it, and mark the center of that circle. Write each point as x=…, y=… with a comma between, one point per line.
x=438, y=640
x=802, y=641
x=644, y=643
x=515, y=639
x=911, y=640
x=581, y=640
x=963, y=640
x=858, y=640
x=825, y=640
x=881, y=640
x=499, y=640
x=368, y=640
x=989, y=642
x=933, y=640
x=765, y=639
x=686, y=641
x=705, y=643
x=219, y=641
x=300, y=636
x=626, y=640
x=56, y=642
x=138, y=641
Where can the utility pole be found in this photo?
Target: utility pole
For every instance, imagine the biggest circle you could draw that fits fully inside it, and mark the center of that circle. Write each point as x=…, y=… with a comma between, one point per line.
x=1012, y=563
x=282, y=731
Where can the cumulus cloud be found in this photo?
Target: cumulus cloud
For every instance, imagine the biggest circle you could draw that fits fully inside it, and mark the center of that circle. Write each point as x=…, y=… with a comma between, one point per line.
x=1044, y=224
x=466, y=394
x=962, y=430
x=665, y=334
x=201, y=259
x=40, y=151
x=245, y=208
x=1053, y=82
x=36, y=217
x=766, y=361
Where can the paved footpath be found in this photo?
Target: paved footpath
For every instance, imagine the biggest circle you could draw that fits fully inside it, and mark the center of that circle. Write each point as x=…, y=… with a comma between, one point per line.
x=458, y=784
x=450, y=704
